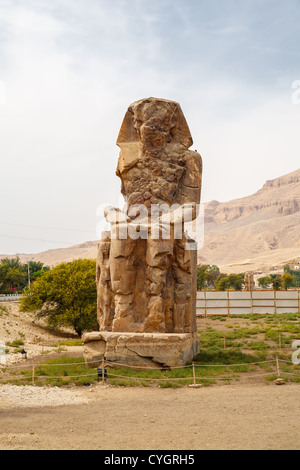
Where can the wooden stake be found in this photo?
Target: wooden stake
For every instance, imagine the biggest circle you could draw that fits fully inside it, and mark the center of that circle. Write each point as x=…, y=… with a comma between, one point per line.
x=224, y=343
x=278, y=367
x=33, y=374
x=194, y=374
x=279, y=340
x=228, y=303
x=103, y=371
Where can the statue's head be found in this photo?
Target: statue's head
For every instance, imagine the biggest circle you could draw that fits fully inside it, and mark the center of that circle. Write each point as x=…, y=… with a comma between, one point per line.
x=154, y=140
x=154, y=123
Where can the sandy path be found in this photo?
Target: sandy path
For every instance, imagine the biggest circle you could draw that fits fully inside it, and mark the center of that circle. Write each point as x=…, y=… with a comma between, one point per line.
x=224, y=417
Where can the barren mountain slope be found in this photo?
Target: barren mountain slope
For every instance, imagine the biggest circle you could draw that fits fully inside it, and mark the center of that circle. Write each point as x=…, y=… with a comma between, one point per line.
x=55, y=256
x=256, y=232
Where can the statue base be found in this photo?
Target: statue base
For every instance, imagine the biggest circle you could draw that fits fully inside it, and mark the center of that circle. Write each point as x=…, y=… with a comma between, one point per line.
x=155, y=350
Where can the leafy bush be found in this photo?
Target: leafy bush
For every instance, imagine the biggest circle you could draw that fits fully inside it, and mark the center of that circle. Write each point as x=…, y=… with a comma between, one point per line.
x=66, y=296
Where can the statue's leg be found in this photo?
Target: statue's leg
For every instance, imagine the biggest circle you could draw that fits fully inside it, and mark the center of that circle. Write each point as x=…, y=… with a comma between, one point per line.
x=106, y=306
x=180, y=311
x=105, y=298
x=123, y=283
x=158, y=264
x=184, y=272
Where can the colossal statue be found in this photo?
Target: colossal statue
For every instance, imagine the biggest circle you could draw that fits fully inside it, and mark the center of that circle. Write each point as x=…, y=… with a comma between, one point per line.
x=146, y=265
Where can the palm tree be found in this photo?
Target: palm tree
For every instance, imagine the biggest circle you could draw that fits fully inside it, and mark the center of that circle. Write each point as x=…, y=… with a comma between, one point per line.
x=276, y=281
x=11, y=263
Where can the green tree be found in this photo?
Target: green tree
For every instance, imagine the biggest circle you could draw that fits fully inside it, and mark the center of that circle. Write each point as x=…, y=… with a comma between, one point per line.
x=36, y=268
x=14, y=274
x=276, y=281
x=66, y=295
x=11, y=274
x=222, y=282
x=295, y=273
x=14, y=278
x=264, y=282
x=287, y=269
x=233, y=281
x=207, y=275
x=287, y=281
x=13, y=263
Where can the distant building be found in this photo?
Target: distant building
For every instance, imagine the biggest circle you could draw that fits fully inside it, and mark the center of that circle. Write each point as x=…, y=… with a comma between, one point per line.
x=294, y=265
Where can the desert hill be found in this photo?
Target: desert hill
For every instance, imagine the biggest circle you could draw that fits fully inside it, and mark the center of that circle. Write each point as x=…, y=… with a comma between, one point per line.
x=59, y=255
x=257, y=233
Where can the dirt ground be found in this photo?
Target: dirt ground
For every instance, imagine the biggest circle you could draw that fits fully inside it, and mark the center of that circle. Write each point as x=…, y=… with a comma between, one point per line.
x=222, y=417
x=35, y=335
x=238, y=417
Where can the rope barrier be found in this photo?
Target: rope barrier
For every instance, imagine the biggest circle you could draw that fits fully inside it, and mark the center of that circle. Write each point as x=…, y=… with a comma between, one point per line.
x=152, y=379
x=17, y=378
x=52, y=365
x=66, y=376
x=198, y=364
x=127, y=366
x=290, y=373
x=190, y=378
x=142, y=367
x=166, y=379
x=286, y=362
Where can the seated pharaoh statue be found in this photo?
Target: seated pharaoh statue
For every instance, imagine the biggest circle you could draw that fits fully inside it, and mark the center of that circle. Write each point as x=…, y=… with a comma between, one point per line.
x=147, y=264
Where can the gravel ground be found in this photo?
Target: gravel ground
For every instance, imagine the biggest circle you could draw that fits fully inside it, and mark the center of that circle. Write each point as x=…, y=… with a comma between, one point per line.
x=239, y=417
x=28, y=396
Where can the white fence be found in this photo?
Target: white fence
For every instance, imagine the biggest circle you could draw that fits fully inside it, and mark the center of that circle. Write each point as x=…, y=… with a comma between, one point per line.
x=6, y=298
x=246, y=303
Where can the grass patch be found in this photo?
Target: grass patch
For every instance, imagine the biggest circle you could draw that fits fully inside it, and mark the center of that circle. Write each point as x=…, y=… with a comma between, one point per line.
x=64, y=371
x=74, y=342
x=3, y=310
x=15, y=344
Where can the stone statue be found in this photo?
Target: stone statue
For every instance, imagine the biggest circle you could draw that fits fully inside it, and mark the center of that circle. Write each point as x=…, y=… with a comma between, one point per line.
x=249, y=282
x=146, y=265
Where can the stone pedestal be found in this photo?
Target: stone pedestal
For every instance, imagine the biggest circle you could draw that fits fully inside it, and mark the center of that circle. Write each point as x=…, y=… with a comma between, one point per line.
x=141, y=349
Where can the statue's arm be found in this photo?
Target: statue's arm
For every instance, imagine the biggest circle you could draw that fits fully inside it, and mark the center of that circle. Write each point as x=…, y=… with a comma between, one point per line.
x=115, y=216
x=192, y=178
x=189, y=191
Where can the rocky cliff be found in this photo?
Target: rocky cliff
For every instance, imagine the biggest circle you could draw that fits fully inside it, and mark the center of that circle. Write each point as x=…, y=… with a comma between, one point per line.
x=257, y=232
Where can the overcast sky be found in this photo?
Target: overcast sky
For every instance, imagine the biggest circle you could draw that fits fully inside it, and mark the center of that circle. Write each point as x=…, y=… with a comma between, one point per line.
x=70, y=68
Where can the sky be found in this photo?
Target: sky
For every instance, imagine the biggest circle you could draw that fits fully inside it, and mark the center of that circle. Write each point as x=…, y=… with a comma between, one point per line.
x=69, y=69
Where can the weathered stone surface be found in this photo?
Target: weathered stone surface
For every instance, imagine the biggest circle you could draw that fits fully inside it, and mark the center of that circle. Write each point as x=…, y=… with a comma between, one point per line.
x=249, y=282
x=141, y=349
x=146, y=274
